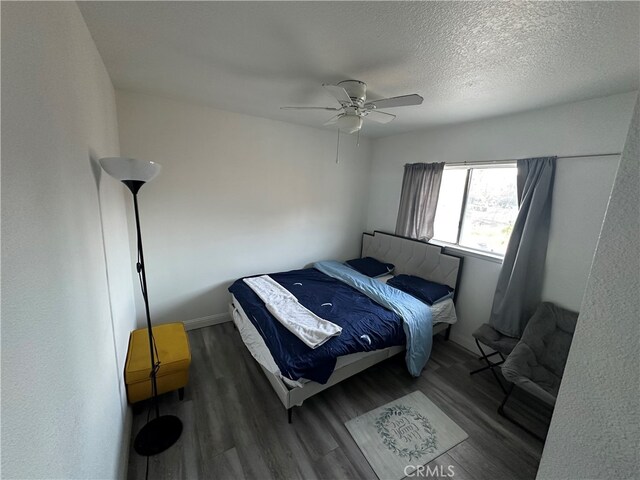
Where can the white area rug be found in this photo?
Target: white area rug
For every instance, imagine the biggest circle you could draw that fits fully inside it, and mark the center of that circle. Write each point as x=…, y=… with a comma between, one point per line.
x=404, y=434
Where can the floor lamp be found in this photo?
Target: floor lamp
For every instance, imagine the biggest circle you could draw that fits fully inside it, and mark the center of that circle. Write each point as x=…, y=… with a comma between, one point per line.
x=164, y=430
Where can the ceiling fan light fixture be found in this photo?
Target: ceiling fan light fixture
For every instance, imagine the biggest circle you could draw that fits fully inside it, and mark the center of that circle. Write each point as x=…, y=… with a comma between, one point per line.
x=352, y=97
x=349, y=123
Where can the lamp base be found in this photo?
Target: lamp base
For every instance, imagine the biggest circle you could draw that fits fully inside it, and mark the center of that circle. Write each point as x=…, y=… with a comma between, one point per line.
x=158, y=435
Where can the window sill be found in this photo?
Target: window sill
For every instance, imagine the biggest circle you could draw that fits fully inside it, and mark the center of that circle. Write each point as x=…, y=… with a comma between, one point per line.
x=468, y=252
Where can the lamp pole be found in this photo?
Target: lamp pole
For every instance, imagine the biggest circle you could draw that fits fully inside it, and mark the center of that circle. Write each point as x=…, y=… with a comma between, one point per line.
x=143, y=276
x=164, y=430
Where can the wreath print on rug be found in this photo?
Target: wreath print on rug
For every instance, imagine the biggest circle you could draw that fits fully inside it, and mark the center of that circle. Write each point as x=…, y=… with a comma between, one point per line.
x=406, y=432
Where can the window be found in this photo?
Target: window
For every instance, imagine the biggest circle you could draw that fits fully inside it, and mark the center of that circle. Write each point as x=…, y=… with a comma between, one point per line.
x=477, y=207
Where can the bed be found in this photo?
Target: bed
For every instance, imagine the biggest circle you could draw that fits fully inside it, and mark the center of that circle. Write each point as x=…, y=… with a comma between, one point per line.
x=410, y=257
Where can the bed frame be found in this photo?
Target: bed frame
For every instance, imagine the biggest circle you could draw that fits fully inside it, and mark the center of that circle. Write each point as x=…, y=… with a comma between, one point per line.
x=411, y=257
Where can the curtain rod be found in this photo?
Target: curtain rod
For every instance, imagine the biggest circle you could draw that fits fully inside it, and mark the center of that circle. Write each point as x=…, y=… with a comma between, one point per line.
x=497, y=162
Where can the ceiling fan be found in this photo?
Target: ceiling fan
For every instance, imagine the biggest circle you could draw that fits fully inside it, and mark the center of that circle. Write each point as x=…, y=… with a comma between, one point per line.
x=354, y=108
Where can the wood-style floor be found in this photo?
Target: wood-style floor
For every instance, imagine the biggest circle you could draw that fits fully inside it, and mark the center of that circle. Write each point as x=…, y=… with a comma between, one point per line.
x=235, y=426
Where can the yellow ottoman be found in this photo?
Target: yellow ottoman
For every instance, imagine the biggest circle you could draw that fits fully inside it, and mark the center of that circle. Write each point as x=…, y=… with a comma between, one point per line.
x=174, y=355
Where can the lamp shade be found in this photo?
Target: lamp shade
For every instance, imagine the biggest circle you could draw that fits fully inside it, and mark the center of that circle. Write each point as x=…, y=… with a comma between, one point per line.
x=130, y=169
x=350, y=123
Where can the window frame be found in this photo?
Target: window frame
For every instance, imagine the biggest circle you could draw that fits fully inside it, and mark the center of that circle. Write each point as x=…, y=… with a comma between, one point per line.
x=456, y=247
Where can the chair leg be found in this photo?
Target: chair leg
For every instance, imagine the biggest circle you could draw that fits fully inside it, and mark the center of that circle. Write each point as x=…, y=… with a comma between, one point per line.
x=181, y=393
x=491, y=355
x=503, y=414
x=506, y=397
x=490, y=365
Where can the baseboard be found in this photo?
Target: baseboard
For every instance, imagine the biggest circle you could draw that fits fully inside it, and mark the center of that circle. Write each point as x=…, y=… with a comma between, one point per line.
x=125, y=444
x=206, y=321
x=465, y=342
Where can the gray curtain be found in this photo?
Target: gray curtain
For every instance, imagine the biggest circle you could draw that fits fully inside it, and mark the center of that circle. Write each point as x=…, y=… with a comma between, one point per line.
x=419, y=199
x=519, y=288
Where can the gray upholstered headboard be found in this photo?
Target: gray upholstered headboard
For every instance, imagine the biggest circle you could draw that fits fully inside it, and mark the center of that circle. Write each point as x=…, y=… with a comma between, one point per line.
x=413, y=257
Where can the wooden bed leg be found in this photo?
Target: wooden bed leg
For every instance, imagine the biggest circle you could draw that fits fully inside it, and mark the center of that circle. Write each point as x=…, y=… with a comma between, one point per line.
x=447, y=333
x=289, y=412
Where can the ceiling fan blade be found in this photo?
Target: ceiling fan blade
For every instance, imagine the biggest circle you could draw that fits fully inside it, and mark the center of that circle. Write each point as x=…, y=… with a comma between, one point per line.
x=311, y=108
x=339, y=93
x=333, y=120
x=379, y=117
x=402, y=101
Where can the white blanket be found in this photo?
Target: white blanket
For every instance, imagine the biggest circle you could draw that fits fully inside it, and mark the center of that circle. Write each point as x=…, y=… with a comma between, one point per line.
x=283, y=305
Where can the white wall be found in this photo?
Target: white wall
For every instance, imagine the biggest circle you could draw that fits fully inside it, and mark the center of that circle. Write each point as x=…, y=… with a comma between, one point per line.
x=237, y=195
x=64, y=251
x=580, y=194
x=595, y=430
x=581, y=190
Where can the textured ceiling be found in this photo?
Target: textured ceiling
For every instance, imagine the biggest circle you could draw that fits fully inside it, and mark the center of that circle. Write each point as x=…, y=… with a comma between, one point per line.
x=468, y=60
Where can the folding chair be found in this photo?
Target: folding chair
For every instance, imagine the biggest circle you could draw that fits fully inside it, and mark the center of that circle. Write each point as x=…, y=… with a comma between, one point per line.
x=537, y=362
x=502, y=345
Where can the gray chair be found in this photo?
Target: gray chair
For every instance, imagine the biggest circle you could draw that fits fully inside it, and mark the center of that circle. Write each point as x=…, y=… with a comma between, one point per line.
x=502, y=345
x=537, y=362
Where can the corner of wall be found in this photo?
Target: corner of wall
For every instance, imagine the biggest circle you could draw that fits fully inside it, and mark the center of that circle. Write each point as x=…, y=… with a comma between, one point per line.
x=125, y=445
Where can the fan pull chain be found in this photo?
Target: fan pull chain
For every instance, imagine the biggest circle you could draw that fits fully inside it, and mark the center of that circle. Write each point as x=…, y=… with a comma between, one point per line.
x=358, y=139
x=338, y=148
